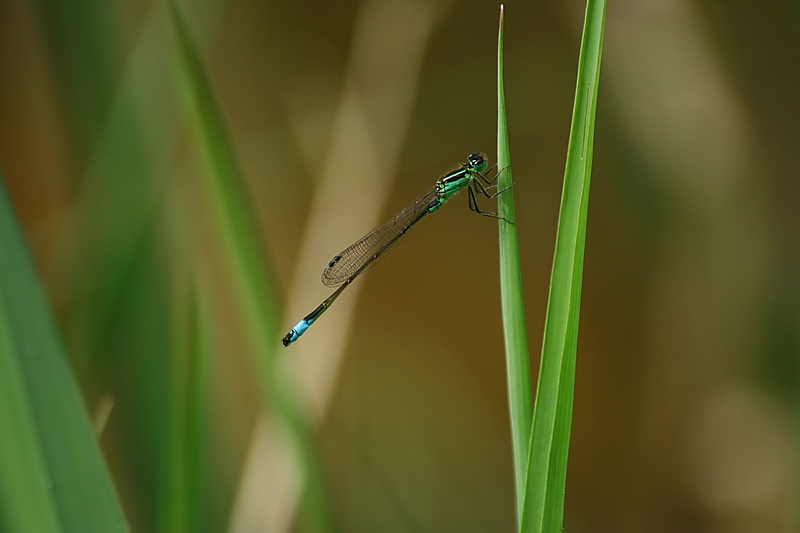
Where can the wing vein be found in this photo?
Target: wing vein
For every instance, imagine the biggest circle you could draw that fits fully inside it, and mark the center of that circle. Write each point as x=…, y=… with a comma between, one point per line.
x=373, y=246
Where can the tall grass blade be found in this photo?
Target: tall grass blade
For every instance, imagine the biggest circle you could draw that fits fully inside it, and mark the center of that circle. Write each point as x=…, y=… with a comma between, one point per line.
x=26, y=504
x=249, y=267
x=50, y=463
x=543, y=509
x=513, y=302
x=181, y=503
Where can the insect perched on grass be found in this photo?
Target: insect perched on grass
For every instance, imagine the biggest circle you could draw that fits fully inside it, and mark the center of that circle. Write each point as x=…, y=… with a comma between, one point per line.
x=358, y=257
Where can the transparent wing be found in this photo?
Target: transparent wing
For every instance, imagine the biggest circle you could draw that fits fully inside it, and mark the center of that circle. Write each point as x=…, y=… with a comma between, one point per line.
x=374, y=245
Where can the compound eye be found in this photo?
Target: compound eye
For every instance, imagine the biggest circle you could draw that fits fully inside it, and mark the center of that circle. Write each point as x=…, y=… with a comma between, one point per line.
x=476, y=159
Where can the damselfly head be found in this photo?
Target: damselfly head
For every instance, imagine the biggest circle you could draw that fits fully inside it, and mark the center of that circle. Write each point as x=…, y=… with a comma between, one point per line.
x=477, y=161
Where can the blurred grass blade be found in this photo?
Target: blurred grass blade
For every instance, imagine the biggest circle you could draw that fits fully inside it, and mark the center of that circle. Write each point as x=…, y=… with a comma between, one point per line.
x=543, y=509
x=226, y=191
x=249, y=267
x=26, y=504
x=50, y=463
x=181, y=505
x=516, y=336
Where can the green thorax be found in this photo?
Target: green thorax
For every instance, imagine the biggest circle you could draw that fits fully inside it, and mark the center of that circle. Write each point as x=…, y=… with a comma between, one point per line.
x=456, y=180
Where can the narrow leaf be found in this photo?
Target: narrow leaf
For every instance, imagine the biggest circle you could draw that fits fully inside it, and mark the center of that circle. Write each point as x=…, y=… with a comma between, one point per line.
x=547, y=467
x=513, y=301
x=50, y=430
x=249, y=267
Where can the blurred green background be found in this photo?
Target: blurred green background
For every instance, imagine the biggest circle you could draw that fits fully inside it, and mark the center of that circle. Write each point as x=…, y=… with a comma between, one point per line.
x=340, y=113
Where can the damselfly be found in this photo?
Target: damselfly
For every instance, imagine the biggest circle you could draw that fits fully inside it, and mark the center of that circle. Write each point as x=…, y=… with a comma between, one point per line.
x=354, y=260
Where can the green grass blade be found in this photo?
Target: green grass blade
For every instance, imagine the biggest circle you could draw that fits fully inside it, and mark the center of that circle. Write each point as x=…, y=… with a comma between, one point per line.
x=516, y=336
x=181, y=505
x=547, y=467
x=61, y=466
x=250, y=270
x=225, y=188
x=25, y=505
